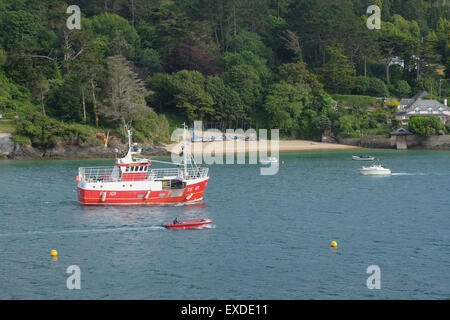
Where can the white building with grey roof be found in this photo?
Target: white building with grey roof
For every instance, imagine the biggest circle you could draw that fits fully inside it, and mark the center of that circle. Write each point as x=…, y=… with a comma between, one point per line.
x=416, y=106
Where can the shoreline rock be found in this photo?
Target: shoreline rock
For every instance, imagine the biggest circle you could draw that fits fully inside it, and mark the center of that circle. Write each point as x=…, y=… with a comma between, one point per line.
x=441, y=142
x=13, y=151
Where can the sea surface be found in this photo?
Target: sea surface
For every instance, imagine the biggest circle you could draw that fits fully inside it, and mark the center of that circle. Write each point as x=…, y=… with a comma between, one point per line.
x=270, y=237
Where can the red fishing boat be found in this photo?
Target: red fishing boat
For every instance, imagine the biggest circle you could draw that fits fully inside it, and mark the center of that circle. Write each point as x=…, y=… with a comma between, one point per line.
x=132, y=181
x=187, y=224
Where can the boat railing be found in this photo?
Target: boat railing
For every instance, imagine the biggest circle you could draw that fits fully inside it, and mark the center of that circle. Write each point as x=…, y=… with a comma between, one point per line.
x=113, y=174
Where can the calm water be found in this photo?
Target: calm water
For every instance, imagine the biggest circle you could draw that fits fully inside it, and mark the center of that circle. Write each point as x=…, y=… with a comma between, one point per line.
x=270, y=239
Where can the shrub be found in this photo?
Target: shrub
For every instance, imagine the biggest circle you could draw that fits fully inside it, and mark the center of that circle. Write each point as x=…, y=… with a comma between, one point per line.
x=45, y=132
x=362, y=85
x=425, y=126
x=78, y=133
x=322, y=123
x=152, y=127
x=370, y=86
x=393, y=103
x=377, y=88
x=22, y=140
x=402, y=89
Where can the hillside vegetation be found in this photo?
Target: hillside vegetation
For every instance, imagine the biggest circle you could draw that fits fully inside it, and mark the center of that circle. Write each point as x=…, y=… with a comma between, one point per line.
x=303, y=66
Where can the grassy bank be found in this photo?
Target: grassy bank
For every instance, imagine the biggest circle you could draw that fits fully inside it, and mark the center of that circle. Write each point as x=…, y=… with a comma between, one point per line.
x=7, y=126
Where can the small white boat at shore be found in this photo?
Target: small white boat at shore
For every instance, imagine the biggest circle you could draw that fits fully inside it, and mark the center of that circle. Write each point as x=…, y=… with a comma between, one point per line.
x=363, y=157
x=269, y=160
x=375, y=169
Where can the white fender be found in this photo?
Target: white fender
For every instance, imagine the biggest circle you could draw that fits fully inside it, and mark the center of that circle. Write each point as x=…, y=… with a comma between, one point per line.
x=147, y=194
x=103, y=196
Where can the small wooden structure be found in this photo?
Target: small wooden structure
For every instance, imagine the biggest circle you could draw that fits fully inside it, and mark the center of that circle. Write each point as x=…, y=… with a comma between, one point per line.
x=400, y=138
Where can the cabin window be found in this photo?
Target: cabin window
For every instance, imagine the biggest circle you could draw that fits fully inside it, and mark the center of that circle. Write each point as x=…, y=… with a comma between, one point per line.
x=127, y=169
x=141, y=168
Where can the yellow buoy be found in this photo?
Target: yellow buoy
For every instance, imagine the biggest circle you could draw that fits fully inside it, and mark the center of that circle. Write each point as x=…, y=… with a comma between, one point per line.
x=53, y=253
x=334, y=244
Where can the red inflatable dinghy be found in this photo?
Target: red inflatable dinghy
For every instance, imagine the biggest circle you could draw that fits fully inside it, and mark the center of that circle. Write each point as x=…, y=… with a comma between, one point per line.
x=186, y=224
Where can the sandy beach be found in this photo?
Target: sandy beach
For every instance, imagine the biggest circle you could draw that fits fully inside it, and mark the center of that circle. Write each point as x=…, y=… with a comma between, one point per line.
x=256, y=146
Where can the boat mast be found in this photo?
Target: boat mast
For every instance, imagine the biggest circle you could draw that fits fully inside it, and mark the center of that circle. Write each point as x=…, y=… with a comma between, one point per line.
x=129, y=139
x=184, y=150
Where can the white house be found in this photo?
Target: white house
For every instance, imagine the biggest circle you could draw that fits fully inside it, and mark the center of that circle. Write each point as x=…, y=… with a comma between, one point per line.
x=416, y=106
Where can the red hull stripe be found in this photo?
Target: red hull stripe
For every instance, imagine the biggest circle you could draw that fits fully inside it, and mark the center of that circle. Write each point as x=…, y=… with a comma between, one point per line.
x=137, y=197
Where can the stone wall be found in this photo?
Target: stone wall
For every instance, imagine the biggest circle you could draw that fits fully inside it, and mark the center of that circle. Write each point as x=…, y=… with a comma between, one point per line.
x=437, y=142
x=369, y=142
x=413, y=141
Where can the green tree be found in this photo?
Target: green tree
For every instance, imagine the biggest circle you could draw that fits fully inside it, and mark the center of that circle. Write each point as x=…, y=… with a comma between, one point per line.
x=191, y=97
x=122, y=37
x=322, y=123
x=399, y=37
x=227, y=103
x=250, y=41
x=284, y=105
x=19, y=27
x=344, y=124
x=402, y=89
x=231, y=59
x=244, y=79
x=63, y=99
x=297, y=73
x=425, y=126
x=338, y=72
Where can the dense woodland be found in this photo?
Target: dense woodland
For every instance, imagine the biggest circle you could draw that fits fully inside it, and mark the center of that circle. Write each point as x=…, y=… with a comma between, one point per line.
x=303, y=66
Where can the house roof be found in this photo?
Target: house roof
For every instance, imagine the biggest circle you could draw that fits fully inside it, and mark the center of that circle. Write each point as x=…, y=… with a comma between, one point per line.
x=401, y=132
x=420, y=106
x=426, y=104
x=409, y=101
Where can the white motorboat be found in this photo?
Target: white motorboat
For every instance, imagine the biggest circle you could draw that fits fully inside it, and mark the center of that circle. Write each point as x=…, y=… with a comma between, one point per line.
x=375, y=169
x=269, y=160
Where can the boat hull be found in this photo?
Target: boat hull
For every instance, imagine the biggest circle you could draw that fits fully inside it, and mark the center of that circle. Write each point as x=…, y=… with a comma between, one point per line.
x=375, y=172
x=188, y=224
x=146, y=196
x=362, y=159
